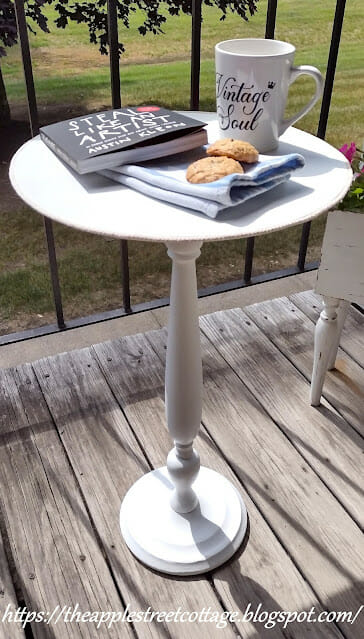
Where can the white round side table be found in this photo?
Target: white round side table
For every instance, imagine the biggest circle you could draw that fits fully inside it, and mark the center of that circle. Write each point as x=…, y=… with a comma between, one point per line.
x=181, y=519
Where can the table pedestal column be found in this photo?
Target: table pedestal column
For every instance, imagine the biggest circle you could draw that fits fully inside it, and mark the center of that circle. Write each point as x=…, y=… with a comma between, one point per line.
x=183, y=519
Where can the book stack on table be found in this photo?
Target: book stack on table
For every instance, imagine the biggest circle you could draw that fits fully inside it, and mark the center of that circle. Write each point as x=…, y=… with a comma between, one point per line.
x=122, y=136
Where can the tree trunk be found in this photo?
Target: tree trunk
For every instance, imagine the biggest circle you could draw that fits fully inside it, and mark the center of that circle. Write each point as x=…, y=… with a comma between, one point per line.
x=4, y=104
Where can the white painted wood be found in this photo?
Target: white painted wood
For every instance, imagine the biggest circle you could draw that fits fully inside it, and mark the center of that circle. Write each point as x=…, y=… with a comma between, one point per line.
x=94, y=203
x=352, y=336
x=340, y=277
x=342, y=312
x=325, y=337
x=341, y=272
x=183, y=374
x=179, y=519
x=183, y=544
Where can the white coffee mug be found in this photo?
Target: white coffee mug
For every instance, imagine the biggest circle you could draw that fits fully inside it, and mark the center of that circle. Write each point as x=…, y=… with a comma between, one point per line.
x=252, y=80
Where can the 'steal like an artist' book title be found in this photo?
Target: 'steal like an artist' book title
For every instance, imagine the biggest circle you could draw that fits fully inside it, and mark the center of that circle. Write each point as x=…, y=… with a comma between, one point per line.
x=122, y=136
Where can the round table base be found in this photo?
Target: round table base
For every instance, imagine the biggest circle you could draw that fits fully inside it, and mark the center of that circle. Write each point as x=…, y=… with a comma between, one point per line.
x=183, y=544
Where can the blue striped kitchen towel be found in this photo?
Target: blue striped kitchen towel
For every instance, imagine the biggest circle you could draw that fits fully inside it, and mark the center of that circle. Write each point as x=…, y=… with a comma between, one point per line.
x=166, y=180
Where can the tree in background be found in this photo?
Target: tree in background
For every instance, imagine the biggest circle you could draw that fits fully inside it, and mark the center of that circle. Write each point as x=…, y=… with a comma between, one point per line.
x=94, y=15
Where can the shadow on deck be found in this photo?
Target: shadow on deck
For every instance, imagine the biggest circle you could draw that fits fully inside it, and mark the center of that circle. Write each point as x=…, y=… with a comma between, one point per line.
x=77, y=429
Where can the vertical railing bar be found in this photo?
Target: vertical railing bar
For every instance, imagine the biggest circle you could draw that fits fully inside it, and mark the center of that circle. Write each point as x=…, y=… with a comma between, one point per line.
x=52, y=258
x=113, y=35
x=249, y=255
x=124, y=254
x=331, y=67
x=195, y=55
x=27, y=66
x=325, y=109
x=112, y=23
x=270, y=24
x=34, y=126
x=302, y=252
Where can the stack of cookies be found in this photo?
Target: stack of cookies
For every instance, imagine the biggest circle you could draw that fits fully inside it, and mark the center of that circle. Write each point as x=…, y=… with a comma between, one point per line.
x=224, y=157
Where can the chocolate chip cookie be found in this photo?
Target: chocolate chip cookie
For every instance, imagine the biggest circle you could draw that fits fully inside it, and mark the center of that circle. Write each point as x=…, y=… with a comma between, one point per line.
x=211, y=169
x=235, y=149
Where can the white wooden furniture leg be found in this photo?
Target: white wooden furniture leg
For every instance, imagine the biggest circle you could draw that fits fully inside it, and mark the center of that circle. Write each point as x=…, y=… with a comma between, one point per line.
x=183, y=519
x=183, y=376
x=341, y=317
x=326, y=333
x=340, y=277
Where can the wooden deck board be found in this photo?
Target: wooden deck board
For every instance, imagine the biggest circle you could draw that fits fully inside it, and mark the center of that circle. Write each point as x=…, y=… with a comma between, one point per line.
x=293, y=333
x=256, y=576
x=8, y=600
x=338, y=449
x=103, y=449
x=56, y=554
x=65, y=478
x=328, y=552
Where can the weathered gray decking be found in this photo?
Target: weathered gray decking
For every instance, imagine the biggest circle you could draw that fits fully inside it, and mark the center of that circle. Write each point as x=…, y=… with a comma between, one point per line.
x=79, y=428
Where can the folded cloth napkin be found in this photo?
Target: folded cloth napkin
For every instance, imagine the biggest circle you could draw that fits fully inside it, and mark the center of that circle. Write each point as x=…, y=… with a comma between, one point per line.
x=166, y=180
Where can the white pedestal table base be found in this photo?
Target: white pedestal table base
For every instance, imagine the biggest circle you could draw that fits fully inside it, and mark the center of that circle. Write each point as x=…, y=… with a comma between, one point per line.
x=183, y=519
x=189, y=543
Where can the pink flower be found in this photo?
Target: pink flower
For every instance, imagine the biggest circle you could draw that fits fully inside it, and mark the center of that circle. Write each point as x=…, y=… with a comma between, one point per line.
x=349, y=151
x=359, y=173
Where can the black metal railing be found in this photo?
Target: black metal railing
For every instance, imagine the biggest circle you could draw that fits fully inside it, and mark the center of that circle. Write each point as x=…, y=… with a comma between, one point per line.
x=247, y=279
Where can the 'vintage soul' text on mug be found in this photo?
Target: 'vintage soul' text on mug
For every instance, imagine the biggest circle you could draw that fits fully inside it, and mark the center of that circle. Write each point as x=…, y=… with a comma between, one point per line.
x=251, y=101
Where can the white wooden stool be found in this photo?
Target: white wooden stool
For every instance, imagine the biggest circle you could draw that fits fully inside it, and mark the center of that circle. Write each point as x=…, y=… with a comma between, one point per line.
x=340, y=281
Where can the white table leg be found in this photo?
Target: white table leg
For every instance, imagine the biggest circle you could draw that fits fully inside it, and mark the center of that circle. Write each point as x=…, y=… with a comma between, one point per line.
x=325, y=338
x=341, y=317
x=183, y=375
x=183, y=519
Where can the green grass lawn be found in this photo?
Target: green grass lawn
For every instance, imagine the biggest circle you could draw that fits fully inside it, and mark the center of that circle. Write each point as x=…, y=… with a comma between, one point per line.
x=155, y=69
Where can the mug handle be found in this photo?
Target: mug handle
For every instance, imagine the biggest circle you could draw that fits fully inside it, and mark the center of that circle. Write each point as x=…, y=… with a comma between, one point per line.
x=303, y=69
